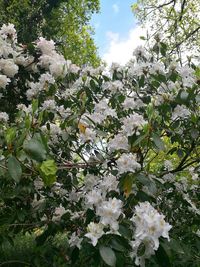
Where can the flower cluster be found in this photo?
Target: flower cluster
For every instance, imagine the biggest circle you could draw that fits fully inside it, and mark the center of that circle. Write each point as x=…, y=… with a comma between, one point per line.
x=150, y=225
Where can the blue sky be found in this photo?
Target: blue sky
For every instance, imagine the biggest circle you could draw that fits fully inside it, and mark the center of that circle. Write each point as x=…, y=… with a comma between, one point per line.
x=115, y=28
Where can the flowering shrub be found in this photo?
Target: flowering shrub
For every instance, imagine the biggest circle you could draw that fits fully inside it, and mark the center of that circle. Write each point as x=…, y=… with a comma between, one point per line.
x=111, y=159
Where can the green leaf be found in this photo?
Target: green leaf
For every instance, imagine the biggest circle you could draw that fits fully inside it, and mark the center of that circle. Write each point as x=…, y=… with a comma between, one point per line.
x=127, y=185
x=14, y=168
x=141, y=81
x=27, y=122
x=35, y=149
x=10, y=135
x=143, y=179
x=108, y=255
x=162, y=257
x=48, y=167
x=163, y=49
x=34, y=105
x=117, y=246
x=48, y=171
x=140, y=139
x=125, y=231
x=158, y=142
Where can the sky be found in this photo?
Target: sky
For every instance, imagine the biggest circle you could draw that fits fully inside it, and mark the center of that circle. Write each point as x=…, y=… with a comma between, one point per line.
x=116, y=31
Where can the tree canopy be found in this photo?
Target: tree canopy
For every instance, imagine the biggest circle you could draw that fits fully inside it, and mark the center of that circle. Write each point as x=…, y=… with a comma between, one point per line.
x=178, y=22
x=66, y=21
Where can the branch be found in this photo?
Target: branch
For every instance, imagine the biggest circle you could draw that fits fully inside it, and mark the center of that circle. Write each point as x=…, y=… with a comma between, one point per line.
x=187, y=36
x=182, y=9
x=181, y=165
x=81, y=165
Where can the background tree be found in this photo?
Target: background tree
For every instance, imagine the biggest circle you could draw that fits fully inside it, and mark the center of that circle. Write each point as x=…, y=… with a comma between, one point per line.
x=65, y=21
x=178, y=20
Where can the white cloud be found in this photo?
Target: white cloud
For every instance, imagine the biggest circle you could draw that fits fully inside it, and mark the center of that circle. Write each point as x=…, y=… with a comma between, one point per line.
x=112, y=36
x=115, y=8
x=120, y=51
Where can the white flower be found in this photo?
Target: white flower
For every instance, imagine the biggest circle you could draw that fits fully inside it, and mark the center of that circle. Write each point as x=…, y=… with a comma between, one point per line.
x=180, y=112
x=133, y=123
x=4, y=81
x=6, y=49
x=168, y=165
x=90, y=181
x=8, y=67
x=64, y=113
x=118, y=142
x=75, y=240
x=131, y=103
x=113, y=86
x=74, y=196
x=127, y=163
x=187, y=75
x=73, y=68
x=49, y=105
x=4, y=117
x=140, y=52
x=110, y=211
x=109, y=183
x=156, y=68
x=150, y=225
x=59, y=211
x=24, y=108
x=58, y=69
x=88, y=135
x=55, y=131
x=47, y=47
x=46, y=78
x=93, y=198
x=115, y=67
x=8, y=31
x=102, y=111
x=95, y=231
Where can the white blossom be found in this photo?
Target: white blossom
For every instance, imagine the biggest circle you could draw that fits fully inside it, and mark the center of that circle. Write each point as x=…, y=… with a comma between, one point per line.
x=4, y=117
x=95, y=231
x=109, y=183
x=49, y=105
x=88, y=135
x=75, y=240
x=132, y=103
x=8, y=67
x=93, y=198
x=4, y=81
x=102, y=111
x=118, y=142
x=133, y=123
x=8, y=31
x=127, y=163
x=46, y=47
x=110, y=211
x=150, y=226
x=59, y=211
x=187, y=75
x=113, y=86
x=180, y=112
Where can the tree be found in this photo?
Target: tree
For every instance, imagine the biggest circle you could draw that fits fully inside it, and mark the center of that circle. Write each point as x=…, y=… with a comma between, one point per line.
x=177, y=20
x=78, y=159
x=65, y=21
